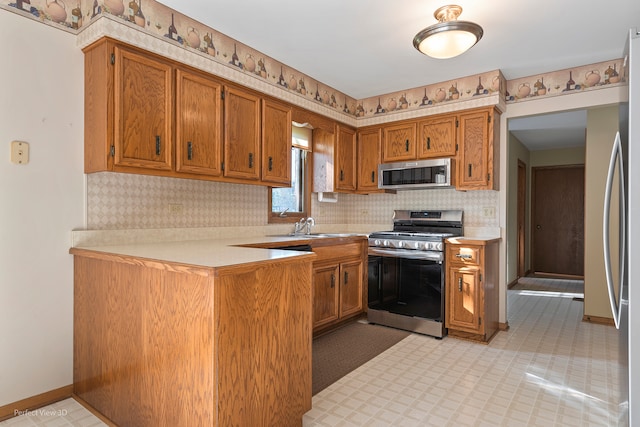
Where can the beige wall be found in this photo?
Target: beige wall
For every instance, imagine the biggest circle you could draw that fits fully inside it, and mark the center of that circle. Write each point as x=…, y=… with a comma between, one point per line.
x=602, y=124
x=42, y=201
x=563, y=156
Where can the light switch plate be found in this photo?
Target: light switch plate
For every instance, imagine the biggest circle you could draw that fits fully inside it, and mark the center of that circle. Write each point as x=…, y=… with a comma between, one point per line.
x=19, y=152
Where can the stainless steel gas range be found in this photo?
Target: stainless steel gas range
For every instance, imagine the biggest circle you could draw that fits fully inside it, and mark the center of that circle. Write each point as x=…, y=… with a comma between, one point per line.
x=407, y=271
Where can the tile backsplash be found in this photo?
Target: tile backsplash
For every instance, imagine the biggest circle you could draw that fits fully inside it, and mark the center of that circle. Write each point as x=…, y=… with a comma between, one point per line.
x=127, y=201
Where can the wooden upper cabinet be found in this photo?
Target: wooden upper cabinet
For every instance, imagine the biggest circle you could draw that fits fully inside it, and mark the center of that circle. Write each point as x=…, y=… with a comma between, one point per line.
x=241, y=134
x=369, y=147
x=143, y=106
x=345, y=161
x=276, y=142
x=437, y=137
x=198, y=124
x=399, y=142
x=476, y=150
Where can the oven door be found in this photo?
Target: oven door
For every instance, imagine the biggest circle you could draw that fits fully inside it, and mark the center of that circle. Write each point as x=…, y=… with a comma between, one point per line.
x=410, y=286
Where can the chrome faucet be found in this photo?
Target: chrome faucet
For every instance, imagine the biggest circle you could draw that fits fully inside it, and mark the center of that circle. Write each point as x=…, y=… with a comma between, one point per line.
x=299, y=226
x=304, y=226
x=310, y=222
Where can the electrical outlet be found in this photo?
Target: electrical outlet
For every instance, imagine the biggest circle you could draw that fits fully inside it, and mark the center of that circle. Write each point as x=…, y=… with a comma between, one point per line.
x=489, y=212
x=175, y=208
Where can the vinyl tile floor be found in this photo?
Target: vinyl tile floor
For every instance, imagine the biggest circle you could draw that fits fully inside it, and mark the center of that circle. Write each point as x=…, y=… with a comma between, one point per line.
x=549, y=369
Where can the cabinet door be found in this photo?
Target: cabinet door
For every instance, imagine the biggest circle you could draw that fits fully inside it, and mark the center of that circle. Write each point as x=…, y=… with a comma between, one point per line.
x=325, y=294
x=437, y=137
x=241, y=134
x=198, y=124
x=473, y=160
x=369, y=146
x=350, y=288
x=399, y=143
x=346, y=160
x=276, y=142
x=464, y=302
x=143, y=111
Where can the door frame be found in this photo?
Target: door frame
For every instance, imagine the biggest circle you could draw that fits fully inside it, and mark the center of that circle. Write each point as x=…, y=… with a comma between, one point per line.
x=522, y=220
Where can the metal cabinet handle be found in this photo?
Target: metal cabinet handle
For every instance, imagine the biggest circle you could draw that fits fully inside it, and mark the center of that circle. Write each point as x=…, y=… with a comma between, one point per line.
x=346, y=277
x=158, y=145
x=189, y=150
x=463, y=256
x=470, y=170
x=333, y=280
x=428, y=143
x=341, y=175
x=406, y=145
x=270, y=163
x=251, y=160
x=373, y=176
x=460, y=284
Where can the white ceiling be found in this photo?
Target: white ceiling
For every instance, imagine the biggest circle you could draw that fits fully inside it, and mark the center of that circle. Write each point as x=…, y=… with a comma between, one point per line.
x=364, y=47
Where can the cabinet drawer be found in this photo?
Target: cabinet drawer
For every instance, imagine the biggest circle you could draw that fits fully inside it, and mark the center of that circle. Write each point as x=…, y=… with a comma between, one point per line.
x=339, y=252
x=464, y=254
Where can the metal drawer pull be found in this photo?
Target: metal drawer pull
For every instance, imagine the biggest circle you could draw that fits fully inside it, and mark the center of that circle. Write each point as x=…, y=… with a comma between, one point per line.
x=346, y=277
x=460, y=284
x=373, y=176
x=463, y=256
x=270, y=163
x=157, y=145
x=250, y=160
x=428, y=143
x=406, y=145
x=189, y=150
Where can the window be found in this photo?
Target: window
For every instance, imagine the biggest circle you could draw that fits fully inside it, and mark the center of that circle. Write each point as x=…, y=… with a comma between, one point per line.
x=289, y=204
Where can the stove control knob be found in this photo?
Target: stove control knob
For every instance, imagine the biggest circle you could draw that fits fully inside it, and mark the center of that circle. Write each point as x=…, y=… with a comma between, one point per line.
x=437, y=246
x=385, y=243
x=420, y=246
x=376, y=242
x=399, y=244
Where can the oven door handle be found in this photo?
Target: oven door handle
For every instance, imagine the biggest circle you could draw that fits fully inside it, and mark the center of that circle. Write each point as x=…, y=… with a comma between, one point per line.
x=407, y=254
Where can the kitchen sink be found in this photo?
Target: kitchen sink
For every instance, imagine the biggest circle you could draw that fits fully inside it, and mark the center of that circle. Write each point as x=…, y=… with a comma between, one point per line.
x=320, y=235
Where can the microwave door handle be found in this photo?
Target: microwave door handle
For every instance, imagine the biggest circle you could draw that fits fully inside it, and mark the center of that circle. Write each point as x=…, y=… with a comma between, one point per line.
x=615, y=307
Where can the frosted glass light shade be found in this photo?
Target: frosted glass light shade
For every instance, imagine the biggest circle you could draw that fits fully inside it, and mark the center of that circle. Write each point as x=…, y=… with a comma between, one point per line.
x=447, y=39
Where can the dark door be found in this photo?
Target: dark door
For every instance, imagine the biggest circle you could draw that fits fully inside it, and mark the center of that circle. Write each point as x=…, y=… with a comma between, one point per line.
x=558, y=220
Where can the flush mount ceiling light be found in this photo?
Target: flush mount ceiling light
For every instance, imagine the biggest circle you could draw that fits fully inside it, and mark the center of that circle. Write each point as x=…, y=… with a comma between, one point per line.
x=449, y=37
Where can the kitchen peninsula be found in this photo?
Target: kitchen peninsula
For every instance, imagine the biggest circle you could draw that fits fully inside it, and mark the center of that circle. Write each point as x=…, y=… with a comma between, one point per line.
x=193, y=333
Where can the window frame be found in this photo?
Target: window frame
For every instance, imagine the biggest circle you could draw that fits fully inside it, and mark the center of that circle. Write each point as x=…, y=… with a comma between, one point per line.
x=293, y=217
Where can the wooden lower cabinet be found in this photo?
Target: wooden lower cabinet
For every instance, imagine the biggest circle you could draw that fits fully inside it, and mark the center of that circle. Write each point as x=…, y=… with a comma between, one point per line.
x=472, y=297
x=325, y=294
x=338, y=283
x=167, y=344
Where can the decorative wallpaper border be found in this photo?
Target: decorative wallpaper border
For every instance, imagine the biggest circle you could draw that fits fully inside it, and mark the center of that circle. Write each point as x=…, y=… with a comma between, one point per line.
x=565, y=82
x=195, y=44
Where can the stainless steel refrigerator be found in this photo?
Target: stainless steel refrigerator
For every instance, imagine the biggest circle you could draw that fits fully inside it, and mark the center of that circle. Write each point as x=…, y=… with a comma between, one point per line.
x=621, y=232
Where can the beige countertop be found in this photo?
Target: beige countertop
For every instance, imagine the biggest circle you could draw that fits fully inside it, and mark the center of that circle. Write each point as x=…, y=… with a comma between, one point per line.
x=213, y=253
x=477, y=240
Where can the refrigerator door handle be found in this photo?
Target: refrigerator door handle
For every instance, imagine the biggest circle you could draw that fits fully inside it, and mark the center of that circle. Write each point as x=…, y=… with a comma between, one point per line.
x=616, y=156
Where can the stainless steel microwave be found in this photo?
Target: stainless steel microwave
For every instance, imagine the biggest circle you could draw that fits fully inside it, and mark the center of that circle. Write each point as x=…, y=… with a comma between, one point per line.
x=433, y=173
